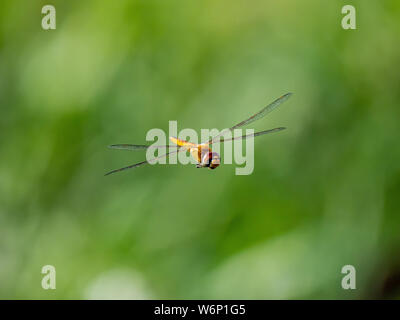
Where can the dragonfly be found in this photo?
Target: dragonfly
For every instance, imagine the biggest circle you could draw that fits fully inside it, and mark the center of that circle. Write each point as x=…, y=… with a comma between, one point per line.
x=202, y=152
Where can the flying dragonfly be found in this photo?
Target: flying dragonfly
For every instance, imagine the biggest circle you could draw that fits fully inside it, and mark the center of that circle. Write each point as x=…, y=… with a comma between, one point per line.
x=202, y=152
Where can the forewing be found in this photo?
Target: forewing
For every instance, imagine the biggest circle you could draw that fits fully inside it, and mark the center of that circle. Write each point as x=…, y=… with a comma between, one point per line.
x=256, y=134
x=262, y=113
x=144, y=162
x=139, y=146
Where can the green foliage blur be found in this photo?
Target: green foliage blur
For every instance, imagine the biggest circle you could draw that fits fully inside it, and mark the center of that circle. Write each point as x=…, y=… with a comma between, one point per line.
x=324, y=192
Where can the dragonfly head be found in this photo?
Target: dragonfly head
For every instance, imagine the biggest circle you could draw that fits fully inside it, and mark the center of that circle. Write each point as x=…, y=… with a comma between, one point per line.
x=210, y=159
x=214, y=161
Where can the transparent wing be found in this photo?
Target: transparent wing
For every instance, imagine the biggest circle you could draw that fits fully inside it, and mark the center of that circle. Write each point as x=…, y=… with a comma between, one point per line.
x=256, y=134
x=144, y=162
x=139, y=146
x=262, y=113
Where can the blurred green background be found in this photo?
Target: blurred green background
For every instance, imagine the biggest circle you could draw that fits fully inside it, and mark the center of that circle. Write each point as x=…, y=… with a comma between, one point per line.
x=324, y=193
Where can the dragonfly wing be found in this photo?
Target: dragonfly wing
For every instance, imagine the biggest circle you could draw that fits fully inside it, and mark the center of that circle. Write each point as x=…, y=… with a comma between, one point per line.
x=143, y=162
x=138, y=146
x=256, y=134
x=262, y=113
x=126, y=168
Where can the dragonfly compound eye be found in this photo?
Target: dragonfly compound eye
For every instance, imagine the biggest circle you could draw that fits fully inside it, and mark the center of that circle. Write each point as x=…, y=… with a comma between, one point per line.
x=215, y=160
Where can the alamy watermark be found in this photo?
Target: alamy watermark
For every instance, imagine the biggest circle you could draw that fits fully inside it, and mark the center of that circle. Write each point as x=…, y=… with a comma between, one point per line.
x=349, y=20
x=200, y=151
x=349, y=280
x=49, y=280
x=49, y=20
